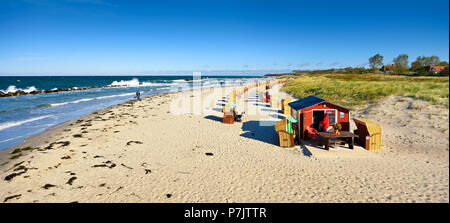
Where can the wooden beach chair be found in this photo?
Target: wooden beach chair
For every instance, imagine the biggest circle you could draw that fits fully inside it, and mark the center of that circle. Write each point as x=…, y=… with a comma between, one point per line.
x=369, y=134
x=286, y=139
x=312, y=134
x=228, y=118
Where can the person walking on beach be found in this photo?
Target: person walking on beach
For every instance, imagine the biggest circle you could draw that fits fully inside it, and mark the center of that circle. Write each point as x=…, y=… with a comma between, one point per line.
x=138, y=95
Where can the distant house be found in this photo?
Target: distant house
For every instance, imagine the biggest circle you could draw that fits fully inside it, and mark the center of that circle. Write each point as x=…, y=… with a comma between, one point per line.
x=387, y=68
x=435, y=69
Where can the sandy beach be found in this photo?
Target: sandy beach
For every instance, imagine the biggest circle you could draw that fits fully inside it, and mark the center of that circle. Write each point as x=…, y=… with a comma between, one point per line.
x=147, y=151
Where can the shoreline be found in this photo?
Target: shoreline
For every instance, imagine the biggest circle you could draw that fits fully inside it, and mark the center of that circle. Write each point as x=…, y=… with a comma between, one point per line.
x=24, y=144
x=51, y=133
x=48, y=134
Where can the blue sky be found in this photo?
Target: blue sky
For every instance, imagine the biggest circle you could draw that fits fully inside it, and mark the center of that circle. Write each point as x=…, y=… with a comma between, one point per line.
x=229, y=37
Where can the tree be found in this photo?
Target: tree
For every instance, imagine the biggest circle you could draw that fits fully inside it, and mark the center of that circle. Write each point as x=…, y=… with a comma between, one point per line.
x=444, y=72
x=376, y=61
x=443, y=63
x=416, y=65
x=401, y=63
x=433, y=61
x=423, y=61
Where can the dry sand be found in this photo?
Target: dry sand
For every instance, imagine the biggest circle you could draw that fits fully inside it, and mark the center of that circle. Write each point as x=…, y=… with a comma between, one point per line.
x=143, y=151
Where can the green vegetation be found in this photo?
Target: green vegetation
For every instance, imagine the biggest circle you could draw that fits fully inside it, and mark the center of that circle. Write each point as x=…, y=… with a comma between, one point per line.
x=400, y=66
x=337, y=126
x=286, y=76
x=353, y=86
x=401, y=63
x=356, y=89
x=423, y=61
x=376, y=61
x=347, y=70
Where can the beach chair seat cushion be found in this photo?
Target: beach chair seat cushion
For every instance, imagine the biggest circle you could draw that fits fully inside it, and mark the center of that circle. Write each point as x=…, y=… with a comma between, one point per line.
x=312, y=134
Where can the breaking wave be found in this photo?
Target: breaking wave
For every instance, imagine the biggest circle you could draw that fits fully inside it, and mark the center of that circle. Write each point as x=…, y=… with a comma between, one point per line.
x=13, y=89
x=12, y=124
x=90, y=99
x=135, y=83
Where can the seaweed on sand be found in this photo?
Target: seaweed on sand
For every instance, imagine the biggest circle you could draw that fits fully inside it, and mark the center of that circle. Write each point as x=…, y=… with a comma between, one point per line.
x=18, y=150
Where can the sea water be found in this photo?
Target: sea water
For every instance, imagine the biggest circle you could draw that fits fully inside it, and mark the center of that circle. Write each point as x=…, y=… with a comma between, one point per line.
x=27, y=115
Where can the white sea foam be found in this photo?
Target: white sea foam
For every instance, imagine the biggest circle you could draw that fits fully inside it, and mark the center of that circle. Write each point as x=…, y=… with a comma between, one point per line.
x=6, y=140
x=6, y=125
x=90, y=99
x=135, y=83
x=13, y=89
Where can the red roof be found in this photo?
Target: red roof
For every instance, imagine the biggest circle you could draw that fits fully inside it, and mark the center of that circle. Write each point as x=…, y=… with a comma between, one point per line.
x=436, y=68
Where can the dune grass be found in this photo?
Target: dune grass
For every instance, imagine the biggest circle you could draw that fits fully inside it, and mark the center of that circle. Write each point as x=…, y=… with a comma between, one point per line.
x=358, y=89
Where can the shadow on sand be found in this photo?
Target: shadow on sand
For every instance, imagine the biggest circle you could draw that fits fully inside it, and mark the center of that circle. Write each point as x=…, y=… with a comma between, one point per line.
x=260, y=130
x=277, y=116
x=317, y=145
x=305, y=150
x=214, y=118
x=262, y=105
x=270, y=110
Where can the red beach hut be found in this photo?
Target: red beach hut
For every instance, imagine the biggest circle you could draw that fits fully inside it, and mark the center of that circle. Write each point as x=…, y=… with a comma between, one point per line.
x=310, y=111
